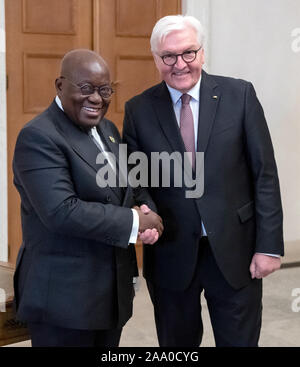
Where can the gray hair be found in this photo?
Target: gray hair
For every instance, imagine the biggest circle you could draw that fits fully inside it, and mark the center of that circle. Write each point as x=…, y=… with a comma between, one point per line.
x=170, y=23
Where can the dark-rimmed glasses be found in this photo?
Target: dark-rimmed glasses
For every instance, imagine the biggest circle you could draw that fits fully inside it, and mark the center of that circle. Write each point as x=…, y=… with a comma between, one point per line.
x=187, y=56
x=88, y=89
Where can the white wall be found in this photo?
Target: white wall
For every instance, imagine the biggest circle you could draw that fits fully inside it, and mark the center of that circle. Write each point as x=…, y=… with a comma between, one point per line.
x=201, y=10
x=3, y=146
x=252, y=40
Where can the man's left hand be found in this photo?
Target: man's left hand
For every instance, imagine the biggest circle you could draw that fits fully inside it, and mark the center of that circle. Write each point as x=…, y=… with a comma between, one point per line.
x=149, y=236
x=263, y=265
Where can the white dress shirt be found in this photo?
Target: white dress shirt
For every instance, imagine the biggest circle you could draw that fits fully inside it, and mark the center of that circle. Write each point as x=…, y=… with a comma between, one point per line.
x=135, y=223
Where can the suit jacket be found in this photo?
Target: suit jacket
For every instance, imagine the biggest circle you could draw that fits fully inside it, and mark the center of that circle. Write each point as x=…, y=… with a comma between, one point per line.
x=241, y=205
x=74, y=268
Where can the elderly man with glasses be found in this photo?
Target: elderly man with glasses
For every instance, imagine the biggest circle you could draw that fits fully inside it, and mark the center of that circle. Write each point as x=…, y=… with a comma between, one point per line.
x=75, y=268
x=226, y=240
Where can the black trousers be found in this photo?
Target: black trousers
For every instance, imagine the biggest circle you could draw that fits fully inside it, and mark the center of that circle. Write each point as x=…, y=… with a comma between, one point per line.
x=235, y=314
x=44, y=335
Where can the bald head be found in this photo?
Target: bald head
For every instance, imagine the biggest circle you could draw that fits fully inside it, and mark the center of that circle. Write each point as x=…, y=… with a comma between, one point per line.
x=75, y=61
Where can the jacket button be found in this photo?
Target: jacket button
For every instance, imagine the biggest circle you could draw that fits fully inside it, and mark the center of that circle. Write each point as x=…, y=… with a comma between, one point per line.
x=108, y=198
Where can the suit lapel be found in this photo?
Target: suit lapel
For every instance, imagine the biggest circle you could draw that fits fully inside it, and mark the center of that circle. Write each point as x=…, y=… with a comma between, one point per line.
x=163, y=107
x=78, y=139
x=210, y=96
x=112, y=143
x=107, y=136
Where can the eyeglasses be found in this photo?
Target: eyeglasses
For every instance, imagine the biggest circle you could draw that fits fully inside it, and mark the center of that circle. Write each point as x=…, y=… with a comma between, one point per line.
x=187, y=56
x=88, y=89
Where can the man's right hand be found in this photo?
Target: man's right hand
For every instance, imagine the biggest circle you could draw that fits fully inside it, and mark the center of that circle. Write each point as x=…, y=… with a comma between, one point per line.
x=149, y=220
x=149, y=237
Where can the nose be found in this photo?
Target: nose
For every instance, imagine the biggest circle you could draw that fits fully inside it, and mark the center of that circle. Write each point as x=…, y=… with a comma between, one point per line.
x=95, y=97
x=180, y=63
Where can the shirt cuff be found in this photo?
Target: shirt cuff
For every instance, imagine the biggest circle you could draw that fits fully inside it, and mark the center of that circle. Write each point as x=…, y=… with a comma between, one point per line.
x=272, y=255
x=135, y=227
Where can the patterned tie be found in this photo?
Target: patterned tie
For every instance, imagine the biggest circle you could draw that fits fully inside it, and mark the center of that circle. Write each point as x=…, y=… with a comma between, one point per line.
x=187, y=126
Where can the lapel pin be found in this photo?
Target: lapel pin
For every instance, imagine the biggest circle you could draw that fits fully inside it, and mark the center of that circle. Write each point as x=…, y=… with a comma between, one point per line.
x=215, y=97
x=112, y=139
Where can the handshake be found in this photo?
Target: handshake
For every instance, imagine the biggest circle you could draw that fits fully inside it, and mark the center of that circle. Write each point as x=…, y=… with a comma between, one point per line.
x=150, y=225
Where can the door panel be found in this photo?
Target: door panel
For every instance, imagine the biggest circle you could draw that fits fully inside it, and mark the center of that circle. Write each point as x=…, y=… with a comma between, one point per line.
x=41, y=16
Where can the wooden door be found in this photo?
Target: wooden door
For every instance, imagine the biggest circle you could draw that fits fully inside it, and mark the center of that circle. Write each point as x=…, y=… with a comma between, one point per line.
x=40, y=32
x=123, y=38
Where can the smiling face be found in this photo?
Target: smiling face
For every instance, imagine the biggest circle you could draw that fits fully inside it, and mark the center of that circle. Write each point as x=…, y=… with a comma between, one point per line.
x=181, y=76
x=85, y=111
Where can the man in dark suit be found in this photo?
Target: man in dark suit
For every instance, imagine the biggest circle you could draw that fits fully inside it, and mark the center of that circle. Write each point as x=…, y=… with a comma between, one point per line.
x=225, y=241
x=75, y=268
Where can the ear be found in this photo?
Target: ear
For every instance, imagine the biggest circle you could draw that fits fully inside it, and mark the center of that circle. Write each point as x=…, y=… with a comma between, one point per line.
x=157, y=60
x=202, y=56
x=58, y=86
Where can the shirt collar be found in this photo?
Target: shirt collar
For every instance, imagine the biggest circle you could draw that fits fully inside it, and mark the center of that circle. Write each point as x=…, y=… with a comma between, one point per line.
x=58, y=102
x=193, y=92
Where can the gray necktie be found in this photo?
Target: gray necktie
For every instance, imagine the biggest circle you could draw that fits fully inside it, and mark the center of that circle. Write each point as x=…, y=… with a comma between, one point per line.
x=94, y=140
x=115, y=168
x=187, y=126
